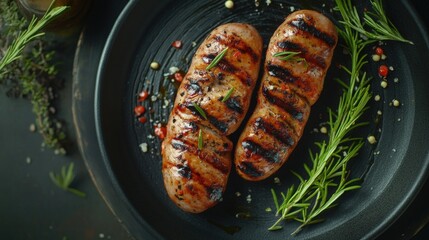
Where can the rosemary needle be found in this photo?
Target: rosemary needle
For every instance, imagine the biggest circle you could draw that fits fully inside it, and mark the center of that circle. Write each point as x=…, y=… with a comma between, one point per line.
x=287, y=55
x=228, y=94
x=200, y=110
x=290, y=56
x=217, y=59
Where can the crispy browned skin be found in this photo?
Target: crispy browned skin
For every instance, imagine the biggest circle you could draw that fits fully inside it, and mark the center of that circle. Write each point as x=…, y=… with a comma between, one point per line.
x=287, y=91
x=194, y=178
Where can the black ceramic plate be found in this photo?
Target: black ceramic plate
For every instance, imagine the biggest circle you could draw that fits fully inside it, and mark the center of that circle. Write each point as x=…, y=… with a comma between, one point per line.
x=393, y=170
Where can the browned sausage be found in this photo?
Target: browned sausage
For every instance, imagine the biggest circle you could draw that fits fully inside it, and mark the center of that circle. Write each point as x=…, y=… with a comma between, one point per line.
x=195, y=177
x=288, y=89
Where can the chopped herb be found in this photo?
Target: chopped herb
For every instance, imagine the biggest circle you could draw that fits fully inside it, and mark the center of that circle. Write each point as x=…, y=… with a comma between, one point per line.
x=65, y=179
x=290, y=56
x=200, y=140
x=200, y=110
x=217, y=59
x=228, y=94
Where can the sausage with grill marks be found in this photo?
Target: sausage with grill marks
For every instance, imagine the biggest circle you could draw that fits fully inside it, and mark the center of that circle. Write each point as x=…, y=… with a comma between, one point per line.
x=287, y=91
x=195, y=177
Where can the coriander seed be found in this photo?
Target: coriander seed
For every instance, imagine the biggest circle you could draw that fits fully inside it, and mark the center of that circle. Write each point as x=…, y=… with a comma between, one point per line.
x=229, y=4
x=154, y=65
x=371, y=139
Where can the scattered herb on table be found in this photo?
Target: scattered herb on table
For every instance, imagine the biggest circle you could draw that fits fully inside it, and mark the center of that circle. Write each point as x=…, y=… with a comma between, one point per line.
x=27, y=69
x=65, y=179
x=327, y=175
x=32, y=32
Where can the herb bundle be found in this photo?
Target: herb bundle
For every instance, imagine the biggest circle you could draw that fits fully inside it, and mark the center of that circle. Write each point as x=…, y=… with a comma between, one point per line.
x=326, y=177
x=27, y=69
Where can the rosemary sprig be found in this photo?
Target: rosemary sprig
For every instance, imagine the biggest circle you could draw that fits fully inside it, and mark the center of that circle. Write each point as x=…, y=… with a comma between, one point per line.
x=381, y=28
x=200, y=110
x=217, y=59
x=32, y=32
x=65, y=179
x=327, y=175
x=200, y=140
x=228, y=94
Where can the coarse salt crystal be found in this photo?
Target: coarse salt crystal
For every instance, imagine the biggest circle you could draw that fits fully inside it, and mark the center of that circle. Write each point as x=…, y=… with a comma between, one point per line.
x=173, y=70
x=143, y=147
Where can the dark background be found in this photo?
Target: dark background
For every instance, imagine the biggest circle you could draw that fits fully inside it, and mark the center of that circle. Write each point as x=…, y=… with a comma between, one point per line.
x=32, y=207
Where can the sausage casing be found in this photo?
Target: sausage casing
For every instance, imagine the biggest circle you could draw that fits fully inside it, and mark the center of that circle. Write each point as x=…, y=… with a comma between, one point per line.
x=288, y=89
x=196, y=151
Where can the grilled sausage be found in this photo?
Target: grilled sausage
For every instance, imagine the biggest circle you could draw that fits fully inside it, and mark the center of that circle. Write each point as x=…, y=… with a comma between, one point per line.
x=195, y=176
x=288, y=89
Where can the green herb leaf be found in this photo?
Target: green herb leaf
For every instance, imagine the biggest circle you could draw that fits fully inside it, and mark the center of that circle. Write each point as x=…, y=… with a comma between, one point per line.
x=200, y=140
x=217, y=59
x=228, y=94
x=32, y=32
x=326, y=178
x=200, y=110
x=290, y=56
x=380, y=27
x=275, y=228
x=65, y=179
x=286, y=55
x=28, y=69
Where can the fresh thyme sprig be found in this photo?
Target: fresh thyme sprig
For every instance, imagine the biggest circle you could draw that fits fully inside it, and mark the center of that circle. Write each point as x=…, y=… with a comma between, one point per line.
x=327, y=175
x=32, y=32
x=65, y=179
x=217, y=59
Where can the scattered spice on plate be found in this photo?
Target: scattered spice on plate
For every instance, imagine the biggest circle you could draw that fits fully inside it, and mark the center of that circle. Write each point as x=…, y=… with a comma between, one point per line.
x=229, y=4
x=177, y=44
x=396, y=103
x=142, y=119
x=383, y=70
x=139, y=110
x=178, y=76
x=143, y=95
x=154, y=65
x=160, y=131
x=371, y=139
